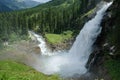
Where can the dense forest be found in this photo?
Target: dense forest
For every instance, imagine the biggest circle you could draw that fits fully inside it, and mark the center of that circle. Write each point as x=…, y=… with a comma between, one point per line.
x=53, y=17
x=57, y=16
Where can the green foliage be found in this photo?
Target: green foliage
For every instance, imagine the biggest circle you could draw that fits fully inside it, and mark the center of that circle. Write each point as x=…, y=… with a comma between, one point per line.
x=53, y=17
x=113, y=67
x=10, y=70
x=67, y=35
x=58, y=38
x=13, y=37
x=54, y=38
x=88, y=13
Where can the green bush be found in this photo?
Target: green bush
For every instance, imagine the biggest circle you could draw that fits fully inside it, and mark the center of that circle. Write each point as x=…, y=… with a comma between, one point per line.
x=113, y=67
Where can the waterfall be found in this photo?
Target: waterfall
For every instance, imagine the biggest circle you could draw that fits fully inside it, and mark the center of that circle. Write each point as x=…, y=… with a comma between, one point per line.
x=42, y=44
x=72, y=63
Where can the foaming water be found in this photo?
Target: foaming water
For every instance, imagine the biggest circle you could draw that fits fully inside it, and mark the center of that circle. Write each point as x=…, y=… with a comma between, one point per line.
x=42, y=44
x=71, y=63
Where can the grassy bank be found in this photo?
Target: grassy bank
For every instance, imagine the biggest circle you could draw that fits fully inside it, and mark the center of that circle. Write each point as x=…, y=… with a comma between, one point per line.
x=58, y=38
x=113, y=67
x=10, y=70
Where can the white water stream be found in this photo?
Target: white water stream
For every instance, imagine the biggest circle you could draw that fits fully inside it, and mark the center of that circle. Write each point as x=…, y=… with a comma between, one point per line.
x=73, y=62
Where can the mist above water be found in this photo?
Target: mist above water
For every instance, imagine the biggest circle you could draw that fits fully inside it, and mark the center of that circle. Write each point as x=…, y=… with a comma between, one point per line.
x=66, y=64
x=71, y=63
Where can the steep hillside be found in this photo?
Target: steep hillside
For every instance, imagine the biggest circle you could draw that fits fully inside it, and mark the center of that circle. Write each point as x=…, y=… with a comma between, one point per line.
x=111, y=36
x=10, y=70
x=17, y=4
x=53, y=17
x=107, y=52
x=4, y=8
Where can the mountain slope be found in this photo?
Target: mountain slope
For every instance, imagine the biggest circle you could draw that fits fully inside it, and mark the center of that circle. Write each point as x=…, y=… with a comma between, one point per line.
x=18, y=4
x=4, y=8
x=107, y=53
x=53, y=17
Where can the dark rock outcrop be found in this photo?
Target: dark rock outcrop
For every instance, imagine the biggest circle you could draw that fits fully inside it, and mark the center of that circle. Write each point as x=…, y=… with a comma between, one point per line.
x=107, y=43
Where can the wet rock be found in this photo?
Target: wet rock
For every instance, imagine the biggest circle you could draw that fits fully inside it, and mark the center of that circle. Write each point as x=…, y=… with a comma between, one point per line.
x=36, y=50
x=106, y=46
x=65, y=45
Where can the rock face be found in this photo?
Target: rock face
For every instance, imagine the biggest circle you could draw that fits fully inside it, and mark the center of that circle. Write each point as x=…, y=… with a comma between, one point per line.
x=110, y=33
x=107, y=43
x=36, y=50
x=66, y=45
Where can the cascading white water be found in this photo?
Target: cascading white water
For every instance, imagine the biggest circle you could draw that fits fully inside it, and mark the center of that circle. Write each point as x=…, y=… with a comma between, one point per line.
x=73, y=62
x=42, y=43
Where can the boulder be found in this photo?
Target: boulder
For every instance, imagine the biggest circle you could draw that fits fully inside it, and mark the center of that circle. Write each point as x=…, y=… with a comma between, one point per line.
x=36, y=50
